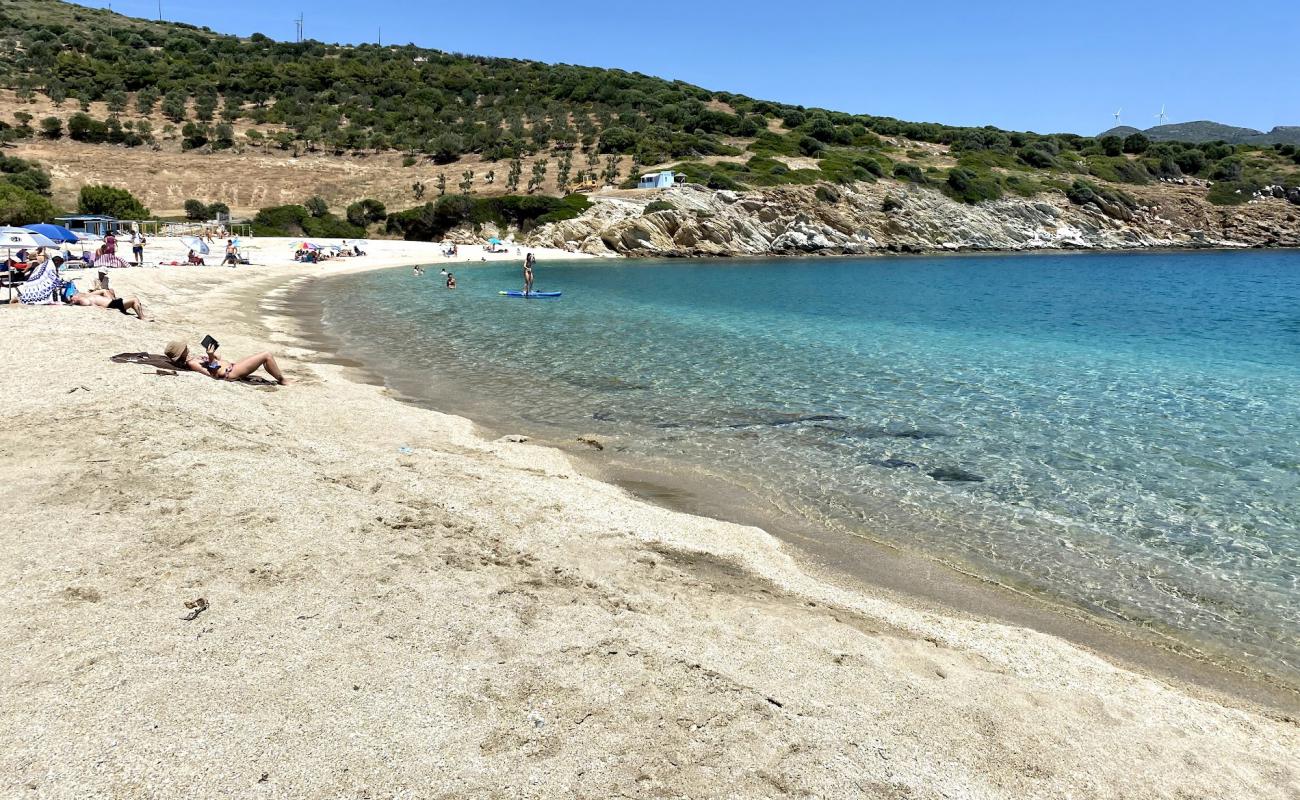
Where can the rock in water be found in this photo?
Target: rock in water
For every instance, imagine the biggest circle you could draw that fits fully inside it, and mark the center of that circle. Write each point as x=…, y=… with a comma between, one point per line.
x=954, y=475
x=592, y=441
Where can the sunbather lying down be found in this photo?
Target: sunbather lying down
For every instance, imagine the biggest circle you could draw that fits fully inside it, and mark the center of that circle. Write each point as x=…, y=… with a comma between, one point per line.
x=107, y=298
x=178, y=353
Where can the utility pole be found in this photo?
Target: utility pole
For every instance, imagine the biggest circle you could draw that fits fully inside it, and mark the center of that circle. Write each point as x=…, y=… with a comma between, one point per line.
x=160, y=10
x=298, y=22
x=381, y=35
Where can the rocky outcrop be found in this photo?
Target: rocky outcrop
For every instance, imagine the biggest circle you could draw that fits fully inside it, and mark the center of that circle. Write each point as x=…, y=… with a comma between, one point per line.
x=793, y=220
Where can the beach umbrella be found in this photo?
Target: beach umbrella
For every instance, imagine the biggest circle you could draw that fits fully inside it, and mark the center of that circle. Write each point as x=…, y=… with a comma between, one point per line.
x=494, y=240
x=309, y=246
x=110, y=261
x=21, y=237
x=56, y=233
x=196, y=244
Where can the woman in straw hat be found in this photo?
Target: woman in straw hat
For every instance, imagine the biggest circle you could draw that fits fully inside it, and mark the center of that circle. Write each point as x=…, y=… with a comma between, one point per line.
x=210, y=364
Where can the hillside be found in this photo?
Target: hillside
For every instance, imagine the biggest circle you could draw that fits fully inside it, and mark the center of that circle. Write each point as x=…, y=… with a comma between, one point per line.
x=175, y=113
x=1206, y=131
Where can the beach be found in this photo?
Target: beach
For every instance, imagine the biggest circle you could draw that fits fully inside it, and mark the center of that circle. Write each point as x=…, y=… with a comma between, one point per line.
x=396, y=606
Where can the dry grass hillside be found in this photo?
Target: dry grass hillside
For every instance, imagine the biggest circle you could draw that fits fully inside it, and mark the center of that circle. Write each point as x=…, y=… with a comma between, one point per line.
x=248, y=177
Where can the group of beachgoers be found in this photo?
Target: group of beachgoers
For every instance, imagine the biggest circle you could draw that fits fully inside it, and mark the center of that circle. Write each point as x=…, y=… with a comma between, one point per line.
x=316, y=254
x=44, y=284
x=449, y=280
x=232, y=257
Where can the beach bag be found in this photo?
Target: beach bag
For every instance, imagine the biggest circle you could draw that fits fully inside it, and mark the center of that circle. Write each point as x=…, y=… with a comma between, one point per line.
x=69, y=290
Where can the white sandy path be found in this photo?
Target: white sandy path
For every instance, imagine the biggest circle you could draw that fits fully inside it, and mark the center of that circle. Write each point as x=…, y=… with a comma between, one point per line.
x=402, y=609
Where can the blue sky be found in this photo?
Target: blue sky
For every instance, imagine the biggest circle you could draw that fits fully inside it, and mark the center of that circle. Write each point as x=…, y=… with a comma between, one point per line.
x=1044, y=66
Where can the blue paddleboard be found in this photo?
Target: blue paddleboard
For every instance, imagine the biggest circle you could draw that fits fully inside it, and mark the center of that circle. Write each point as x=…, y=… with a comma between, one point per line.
x=517, y=293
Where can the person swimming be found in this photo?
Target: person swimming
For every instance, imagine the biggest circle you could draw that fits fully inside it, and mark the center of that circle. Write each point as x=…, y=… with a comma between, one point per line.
x=451, y=281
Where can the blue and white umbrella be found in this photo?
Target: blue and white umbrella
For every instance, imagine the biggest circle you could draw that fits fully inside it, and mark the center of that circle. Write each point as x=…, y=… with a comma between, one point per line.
x=196, y=244
x=21, y=237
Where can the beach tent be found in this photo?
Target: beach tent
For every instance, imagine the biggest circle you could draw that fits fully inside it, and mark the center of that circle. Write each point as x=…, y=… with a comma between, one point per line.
x=55, y=233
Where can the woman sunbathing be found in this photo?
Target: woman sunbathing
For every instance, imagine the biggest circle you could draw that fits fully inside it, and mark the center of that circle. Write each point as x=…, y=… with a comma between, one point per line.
x=209, y=364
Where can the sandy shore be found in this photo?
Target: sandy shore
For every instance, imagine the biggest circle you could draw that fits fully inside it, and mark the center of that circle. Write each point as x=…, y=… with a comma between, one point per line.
x=400, y=608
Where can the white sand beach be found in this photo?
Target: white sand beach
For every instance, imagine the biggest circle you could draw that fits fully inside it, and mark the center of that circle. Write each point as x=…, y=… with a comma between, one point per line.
x=399, y=607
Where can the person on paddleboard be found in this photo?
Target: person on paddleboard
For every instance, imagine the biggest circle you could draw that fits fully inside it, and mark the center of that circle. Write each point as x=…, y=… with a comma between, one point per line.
x=528, y=274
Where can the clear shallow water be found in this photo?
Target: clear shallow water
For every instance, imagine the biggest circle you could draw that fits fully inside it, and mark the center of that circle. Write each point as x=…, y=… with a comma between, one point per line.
x=1134, y=419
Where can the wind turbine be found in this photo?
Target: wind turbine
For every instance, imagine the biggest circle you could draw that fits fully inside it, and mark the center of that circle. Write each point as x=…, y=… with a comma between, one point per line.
x=1162, y=116
x=1116, y=115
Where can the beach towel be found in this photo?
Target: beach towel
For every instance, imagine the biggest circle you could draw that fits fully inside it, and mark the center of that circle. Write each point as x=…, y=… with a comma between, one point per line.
x=42, y=285
x=110, y=261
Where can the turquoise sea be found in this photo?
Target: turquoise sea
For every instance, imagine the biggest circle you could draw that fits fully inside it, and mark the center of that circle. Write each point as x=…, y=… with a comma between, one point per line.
x=1117, y=432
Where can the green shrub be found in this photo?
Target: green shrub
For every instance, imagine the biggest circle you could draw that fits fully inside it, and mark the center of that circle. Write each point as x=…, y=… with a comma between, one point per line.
x=1112, y=202
x=24, y=174
x=316, y=206
x=366, y=212
x=1118, y=169
x=970, y=186
x=1136, y=143
x=890, y=203
x=658, y=205
x=809, y=146
x=1228, y=169
x=19, y=206
x=1022, y=185
x=909, y=172
x=1230, y=193
x=828, y=194
x=568, y=207
x=110, y=201
x=288, y=220
x=431, y=221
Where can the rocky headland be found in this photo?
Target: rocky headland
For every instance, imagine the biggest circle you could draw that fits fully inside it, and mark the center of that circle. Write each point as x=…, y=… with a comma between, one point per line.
x=888, y=217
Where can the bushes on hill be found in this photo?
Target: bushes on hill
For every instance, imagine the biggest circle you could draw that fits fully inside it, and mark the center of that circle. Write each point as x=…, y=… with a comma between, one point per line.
x=1231, y=193
x=1136, y=143
x=970, y=186
x=197, y=210
x=432, y=221
x=366, y=212
x=19, y=206
x=911, y=173
x=25, y=175
x=110, y=201
x=296, y=220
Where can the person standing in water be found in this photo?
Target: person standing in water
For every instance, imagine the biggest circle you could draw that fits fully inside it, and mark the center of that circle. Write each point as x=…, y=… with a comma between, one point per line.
x=528, y=274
